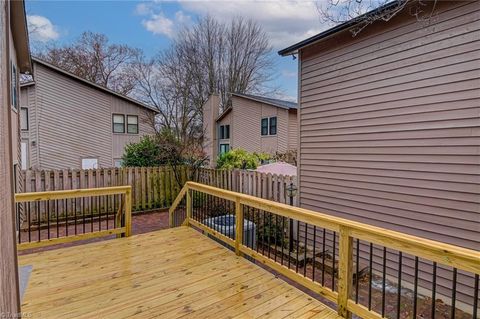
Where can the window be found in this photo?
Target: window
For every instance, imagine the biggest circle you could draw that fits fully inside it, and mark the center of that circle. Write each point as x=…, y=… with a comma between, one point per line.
x=89, y=163
x=118, y=123
x=117, y=162
x=14, y=87
x=224, y=148
x=269, y=126
x=224, y=132
x=273, y=125
x=24, y=119
x=132, y=124
x=265, y=126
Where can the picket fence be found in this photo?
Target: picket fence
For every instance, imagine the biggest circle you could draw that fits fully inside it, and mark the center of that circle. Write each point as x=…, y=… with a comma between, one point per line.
x=156, y=188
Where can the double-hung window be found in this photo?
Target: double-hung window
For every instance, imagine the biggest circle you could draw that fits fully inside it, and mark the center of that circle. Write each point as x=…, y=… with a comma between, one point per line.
x=224, y=132
x=118, y=123
x=224, y=148
x=132, y=124
x=269, y=126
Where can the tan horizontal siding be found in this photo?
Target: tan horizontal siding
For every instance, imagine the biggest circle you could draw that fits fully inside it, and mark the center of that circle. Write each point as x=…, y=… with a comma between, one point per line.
x=390, y=129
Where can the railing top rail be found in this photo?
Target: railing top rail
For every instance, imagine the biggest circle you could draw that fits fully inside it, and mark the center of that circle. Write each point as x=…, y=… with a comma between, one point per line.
x=455, y=256
x=73, y=193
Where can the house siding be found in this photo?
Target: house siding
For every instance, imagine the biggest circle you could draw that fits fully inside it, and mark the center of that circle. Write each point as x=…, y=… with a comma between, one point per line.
x=390, y=129
x=246, y=126
x=70, y=121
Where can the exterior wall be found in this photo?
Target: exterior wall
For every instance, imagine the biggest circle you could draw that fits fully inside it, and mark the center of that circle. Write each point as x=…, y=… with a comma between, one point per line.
x=9, y=298
x=292, y=130
x=389, y=126
x=210, y=114
x=246, y=127
x=226, y=120
x=70, y=121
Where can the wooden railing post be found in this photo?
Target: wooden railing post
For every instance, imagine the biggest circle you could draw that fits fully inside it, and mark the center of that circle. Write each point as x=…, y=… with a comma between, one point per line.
x=238, y=226
x=345, y=268
x=189, y=208
x=128, y=212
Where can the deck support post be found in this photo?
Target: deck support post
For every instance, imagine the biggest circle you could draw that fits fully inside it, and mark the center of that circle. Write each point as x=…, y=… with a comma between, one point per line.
x=345, y=268
x=238, y=226
x=128, y=212
x=189, y=208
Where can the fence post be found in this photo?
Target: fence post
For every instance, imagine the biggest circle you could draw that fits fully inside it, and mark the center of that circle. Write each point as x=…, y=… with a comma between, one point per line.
x=128, y=212
x=238, y=226
x=345, y=268
x=189, y=208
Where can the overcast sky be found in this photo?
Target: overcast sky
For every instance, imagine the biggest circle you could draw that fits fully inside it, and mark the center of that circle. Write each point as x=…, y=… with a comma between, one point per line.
x=150, y=25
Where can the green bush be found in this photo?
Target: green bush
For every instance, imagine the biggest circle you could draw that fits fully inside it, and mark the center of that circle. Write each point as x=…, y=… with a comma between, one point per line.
x=239, y=158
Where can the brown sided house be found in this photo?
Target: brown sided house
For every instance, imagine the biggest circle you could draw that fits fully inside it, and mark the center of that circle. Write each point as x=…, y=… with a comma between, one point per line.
x=14, y=59
x=254, y=123
x=69, y=122
x=389, y=123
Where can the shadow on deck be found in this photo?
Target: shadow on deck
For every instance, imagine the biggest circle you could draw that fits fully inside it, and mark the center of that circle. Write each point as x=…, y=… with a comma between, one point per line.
x=174, y=273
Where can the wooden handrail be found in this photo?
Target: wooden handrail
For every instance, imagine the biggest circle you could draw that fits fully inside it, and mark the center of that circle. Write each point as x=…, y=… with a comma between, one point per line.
x=125, y=229
x=442, y=253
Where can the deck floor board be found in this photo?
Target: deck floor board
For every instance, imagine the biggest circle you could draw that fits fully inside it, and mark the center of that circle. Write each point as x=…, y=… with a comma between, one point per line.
x=174, y=273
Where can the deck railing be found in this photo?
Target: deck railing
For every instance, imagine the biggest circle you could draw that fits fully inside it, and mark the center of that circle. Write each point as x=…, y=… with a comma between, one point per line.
x=366, y=270
x=55, y=217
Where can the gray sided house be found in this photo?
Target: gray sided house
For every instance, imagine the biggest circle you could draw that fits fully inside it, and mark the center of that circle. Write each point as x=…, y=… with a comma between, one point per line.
x=254, y=123
x=14, y=59
x=69, y=122
x=389, y=124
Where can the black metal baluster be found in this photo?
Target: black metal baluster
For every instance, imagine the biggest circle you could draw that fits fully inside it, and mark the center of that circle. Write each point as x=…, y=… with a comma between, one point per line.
x=263, y=238
x=323, y=256
x=384, y=279
x=74, y=207
x=305, y=252
x=29, y=223
x=434, y=289
x=454, y=293
x=333, y=259
x=314, y=251
x=415, y=288
x=357, y=269
x=475, y=297
x=17, y=217
x=290, y=243
x=58, y=216
x=269, y=235
x=298, y=245
x=83, y=212
x=276, y=234
x=99, y=211
x=91, y=214
x=399, y=284
x=370, y=271
x=38, y=222
x=283, y=238
x=48, y=219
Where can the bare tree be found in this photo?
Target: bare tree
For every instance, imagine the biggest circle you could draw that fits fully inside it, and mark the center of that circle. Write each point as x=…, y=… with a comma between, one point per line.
x=208, y=57
x=366, y=12
x=94, y=58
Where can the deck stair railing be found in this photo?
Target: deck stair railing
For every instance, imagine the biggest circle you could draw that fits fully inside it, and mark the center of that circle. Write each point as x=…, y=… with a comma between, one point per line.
x=55, y=217
x=367, y=271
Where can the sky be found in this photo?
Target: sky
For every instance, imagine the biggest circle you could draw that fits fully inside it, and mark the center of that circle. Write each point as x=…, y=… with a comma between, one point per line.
x=151, y=25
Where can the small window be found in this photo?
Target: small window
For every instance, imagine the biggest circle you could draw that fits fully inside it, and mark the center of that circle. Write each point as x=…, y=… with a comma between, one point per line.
x=24, y=119
x=14, y=87
x=224, y=148
x=117, y=162
x=224, y=132
x=265, y=126
x=132, y=124
x=118, y=123
x=89, y=163
x=273, y=125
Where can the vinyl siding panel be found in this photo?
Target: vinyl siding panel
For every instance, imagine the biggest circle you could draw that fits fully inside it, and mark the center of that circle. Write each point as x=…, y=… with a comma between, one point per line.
x=246, y=133
x=292, y=130
x=71, y=121
x=390, y=126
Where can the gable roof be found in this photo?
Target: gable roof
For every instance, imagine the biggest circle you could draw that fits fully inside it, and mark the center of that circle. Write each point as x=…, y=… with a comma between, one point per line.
x=91, y=84
x=338, y=28
x=271, y=101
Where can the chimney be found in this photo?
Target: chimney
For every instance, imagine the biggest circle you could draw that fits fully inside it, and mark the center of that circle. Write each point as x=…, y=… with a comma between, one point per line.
x=211, y=112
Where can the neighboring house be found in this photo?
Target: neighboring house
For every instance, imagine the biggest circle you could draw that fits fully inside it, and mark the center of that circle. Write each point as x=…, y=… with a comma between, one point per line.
x=254, y=123
x=69, y=122
x=390, y=123
x=14, y=59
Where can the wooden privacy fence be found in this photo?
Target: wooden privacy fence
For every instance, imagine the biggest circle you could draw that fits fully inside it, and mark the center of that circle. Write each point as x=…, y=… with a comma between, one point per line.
x=258, y=228
x=155, y=187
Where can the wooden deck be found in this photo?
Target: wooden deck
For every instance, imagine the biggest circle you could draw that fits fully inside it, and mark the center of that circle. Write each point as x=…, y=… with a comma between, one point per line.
x=174, y=273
